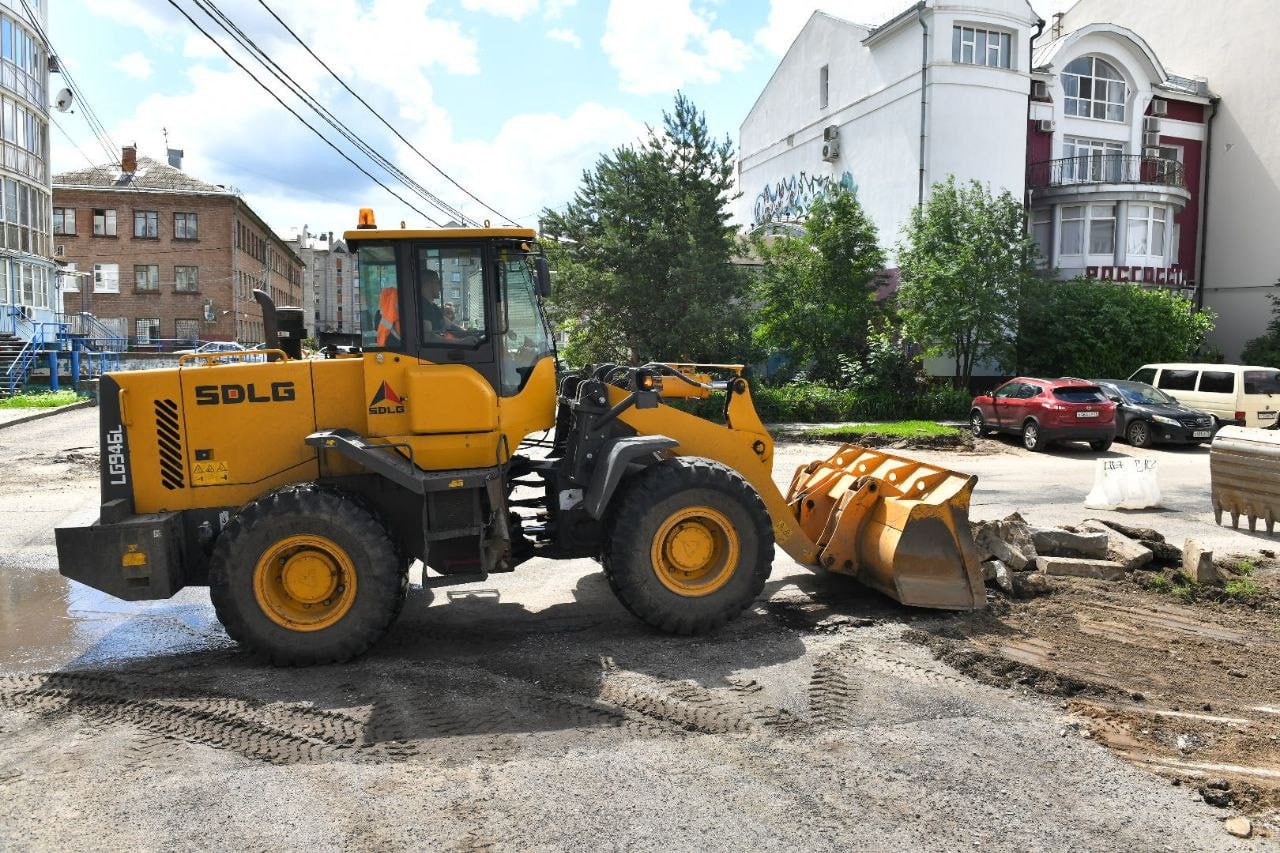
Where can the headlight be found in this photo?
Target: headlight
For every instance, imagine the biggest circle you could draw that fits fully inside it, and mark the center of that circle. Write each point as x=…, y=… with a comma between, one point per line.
x=1160, y=419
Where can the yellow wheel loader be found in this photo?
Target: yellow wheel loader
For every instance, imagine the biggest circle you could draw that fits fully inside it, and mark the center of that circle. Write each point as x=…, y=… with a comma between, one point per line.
x=301, y=490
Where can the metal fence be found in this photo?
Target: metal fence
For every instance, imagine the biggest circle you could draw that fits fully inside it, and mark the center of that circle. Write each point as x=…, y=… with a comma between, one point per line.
x=1107, y=169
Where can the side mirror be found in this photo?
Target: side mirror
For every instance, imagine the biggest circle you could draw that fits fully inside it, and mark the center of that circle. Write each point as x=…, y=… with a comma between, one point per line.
x=544, y=276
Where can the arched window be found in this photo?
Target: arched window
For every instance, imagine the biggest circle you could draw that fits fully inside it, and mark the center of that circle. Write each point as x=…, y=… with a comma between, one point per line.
x=1094, y=89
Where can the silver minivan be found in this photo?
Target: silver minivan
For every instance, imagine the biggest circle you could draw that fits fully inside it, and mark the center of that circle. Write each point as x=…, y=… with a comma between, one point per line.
x=1232, y=393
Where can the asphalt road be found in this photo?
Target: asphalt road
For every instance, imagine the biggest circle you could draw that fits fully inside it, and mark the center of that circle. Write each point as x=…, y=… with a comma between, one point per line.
x=532, y=712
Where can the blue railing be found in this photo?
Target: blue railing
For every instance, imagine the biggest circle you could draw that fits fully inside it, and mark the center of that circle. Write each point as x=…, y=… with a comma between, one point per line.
x=18, y=371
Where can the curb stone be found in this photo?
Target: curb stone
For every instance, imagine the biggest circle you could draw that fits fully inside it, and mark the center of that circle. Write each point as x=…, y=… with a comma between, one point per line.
x=47, y=413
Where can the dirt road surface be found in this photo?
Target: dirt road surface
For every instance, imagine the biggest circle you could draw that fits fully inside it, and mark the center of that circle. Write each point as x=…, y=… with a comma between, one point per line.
x=531, y=711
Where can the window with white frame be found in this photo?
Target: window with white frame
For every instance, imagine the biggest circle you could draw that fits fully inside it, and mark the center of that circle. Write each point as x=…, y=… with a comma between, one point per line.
x=1086, y=160
x=973, y=46
x=1042, y=232
x=1146, y=232
x=1072, y=241
x=106, y=278
x=1102, y=229
x=104, y=222
x=1093, y=89
x=70, y=279
x=64, y=220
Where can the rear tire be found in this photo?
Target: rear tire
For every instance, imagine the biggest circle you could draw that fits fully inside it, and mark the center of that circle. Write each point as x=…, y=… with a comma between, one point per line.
x=306, y=576
x=1032, y=438
x=688, y=546
x=1101, y=444
x=1139, y=434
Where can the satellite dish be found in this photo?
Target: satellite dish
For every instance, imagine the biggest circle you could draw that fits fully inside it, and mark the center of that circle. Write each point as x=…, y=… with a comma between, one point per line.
x=63, y=100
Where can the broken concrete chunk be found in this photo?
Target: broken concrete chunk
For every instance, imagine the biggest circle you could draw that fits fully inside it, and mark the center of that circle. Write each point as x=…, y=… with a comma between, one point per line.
x=989, y=570
x=1120, y=548
x=1139, y=533
x=1080, y=568
x=1030, y=585
x=1054, y=542
x=1240, y=827
x=1017, y=532
x=1197, y=563
x=1008, y=541
x=1004, y=577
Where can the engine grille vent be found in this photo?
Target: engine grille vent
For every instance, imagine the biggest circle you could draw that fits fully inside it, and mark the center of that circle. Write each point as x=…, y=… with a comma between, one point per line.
x=169, y=440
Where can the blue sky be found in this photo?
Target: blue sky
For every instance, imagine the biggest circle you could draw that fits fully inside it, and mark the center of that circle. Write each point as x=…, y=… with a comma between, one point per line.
x=513, y=98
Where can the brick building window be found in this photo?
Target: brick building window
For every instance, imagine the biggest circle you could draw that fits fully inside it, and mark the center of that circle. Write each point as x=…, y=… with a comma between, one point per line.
x=187, y=330
x=146, y=223
x=185, y=227
x=64, y=220
x=148, y=329
x=106, y=278
x=146, y=276
x=104, y=222
x=186, y=279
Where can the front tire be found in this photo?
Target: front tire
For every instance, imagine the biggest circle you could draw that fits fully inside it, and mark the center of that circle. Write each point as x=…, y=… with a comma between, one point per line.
x=978, y=425
x=1032, y=438
x=306, y=576
x=688, y=546
x=1139, y=434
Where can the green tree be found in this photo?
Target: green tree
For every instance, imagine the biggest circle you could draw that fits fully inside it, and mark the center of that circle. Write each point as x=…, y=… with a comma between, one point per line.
x=963, y=263
x=816, y=292
x=1102, y=329
x=643, y=258
x=1264, y=350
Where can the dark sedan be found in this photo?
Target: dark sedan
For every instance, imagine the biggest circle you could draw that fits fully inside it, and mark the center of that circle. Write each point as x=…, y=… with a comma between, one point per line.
x=1146, y=415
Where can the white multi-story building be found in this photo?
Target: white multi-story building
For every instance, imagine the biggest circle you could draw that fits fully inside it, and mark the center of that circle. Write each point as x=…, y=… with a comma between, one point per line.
x=329, y=285
x=1087, y=127
x=27, y=291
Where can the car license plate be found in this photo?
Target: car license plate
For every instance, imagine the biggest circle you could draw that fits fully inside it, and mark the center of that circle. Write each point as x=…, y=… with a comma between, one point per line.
x=1086, y=414
x=1266, y=416
x=1200, y=433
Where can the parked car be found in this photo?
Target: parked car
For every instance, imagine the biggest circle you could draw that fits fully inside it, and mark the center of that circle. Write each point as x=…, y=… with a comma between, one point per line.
x=1232, y=393
x=1146, y=415
x=213, y=346
x=1046, y=410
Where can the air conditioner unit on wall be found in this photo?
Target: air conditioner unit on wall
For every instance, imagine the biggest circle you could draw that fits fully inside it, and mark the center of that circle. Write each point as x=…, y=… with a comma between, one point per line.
x=1045, y=125
x=1039, y=90
x=1151, y=153
x=1150, y=140
x=1159, y=107
x=831, y=133
x=831, y=151
x=1151, y=124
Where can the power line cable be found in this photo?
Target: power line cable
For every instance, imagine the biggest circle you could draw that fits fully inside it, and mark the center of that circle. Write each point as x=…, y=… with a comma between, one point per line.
x=245, y=41
x=295, y=114
x=379, y=117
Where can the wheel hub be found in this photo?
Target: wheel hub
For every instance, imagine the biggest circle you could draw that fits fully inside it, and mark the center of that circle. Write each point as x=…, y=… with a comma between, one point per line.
x=695, y=551
x=305, y=582
x=309, y=577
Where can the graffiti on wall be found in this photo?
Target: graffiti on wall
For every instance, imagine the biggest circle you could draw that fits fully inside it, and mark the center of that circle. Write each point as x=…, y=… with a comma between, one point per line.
x=792, y=197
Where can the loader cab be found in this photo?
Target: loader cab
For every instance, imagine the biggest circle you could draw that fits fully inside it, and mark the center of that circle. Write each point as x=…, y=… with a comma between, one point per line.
x=458, y=357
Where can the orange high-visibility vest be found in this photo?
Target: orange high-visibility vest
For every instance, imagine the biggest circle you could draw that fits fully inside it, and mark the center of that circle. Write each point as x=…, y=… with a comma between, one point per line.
x=389, y=305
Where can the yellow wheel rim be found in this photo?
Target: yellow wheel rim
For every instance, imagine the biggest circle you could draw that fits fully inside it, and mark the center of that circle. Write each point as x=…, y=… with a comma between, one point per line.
x=305, y=583
x=695, y=551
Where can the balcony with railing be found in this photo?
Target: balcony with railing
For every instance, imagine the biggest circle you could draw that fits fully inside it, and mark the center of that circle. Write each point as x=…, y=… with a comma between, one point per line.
x=1119, y=176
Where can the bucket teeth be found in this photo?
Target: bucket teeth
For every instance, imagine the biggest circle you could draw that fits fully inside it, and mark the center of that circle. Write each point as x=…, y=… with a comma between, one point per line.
x=1244, y=472
x=896, y=524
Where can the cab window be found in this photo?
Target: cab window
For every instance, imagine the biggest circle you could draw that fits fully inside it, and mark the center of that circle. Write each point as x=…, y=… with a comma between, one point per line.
x=380, y=301
x=527, y=339
x=451, y=303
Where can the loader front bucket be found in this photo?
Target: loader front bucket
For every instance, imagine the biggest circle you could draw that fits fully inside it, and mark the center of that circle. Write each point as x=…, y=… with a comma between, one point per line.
x=1244, y=473
x=897, y=525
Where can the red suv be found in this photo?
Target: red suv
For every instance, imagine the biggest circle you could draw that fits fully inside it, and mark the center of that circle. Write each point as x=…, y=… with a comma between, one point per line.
x=1047, y=410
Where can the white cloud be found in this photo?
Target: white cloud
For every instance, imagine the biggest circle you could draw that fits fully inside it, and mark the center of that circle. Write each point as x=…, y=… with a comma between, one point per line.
x=514, y=9
x=134, y=65
x=662, y=45
x=553, y=9
x=788, y=17
x=567, y=36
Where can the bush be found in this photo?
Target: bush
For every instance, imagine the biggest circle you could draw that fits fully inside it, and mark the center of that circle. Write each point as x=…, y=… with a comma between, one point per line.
x=1102, y=329
x=812, y=402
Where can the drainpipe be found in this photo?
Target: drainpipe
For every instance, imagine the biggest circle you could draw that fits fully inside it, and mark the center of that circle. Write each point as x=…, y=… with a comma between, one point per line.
x=1204, y=201
x=1031, y=47
x=924, y=98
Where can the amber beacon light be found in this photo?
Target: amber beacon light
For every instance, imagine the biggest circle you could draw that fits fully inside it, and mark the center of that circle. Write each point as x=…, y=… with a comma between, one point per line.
x=366, y=218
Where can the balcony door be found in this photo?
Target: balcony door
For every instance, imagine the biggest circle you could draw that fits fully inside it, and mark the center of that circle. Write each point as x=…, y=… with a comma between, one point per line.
x=1091, y=160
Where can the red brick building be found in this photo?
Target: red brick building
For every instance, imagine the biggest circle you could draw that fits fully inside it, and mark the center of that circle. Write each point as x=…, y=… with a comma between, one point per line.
x=157, y=254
